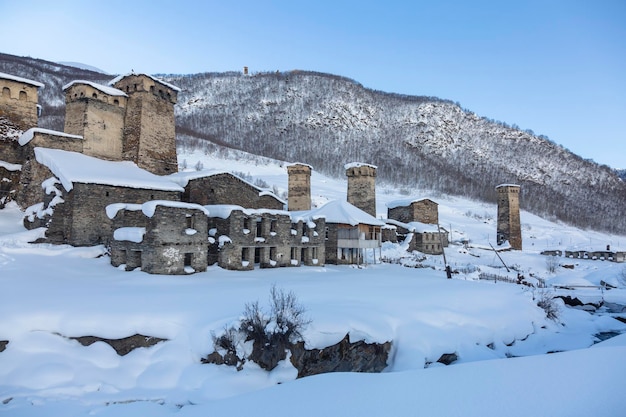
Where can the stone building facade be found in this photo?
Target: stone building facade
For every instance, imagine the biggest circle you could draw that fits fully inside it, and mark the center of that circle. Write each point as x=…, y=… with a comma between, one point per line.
x=242, y=238
x=216, y=188
x=149, y=130
x=160, y=237
x=362, y=186
x=509, y=226
x=299, y=187
x=423, y=211
x=73, y=204
x=96, y=113
x=19, y=99
x=425, y=238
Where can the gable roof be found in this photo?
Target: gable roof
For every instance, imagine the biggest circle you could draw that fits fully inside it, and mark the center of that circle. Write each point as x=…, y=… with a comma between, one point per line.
x=72, y=167
x=131, y=74
x=342, y=212
x=407, y=202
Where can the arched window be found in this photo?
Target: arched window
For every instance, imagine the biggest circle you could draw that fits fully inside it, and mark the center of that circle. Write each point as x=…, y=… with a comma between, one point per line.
x=6, y=92
x=94, y=95
x=116, y=102
x=23, y=95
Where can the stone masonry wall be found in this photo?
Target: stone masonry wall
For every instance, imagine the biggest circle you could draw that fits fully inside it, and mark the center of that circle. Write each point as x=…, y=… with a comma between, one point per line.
x=362, y=188
x=18, y=102
x=99, y=119
x=299, y=187
x=509, y=227
x=89, y=222
x=228, y=189
x=149, y=133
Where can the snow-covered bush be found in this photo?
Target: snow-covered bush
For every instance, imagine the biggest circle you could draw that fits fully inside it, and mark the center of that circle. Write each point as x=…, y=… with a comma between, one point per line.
x=546, y=301
x=271, y=332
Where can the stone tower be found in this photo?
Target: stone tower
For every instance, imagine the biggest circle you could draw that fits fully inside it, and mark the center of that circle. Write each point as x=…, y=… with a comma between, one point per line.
x=96, y=112
x=18, y=100
x=299, y=187
x=509, y=227
x=149, y=135
x=362, y=186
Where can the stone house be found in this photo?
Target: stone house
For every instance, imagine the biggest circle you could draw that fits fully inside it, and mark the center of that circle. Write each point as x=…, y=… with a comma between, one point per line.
x=349, y=232
x=241, y=238
x=218, y=188
x=406, y=211
x=79, y=188
x=160, y=237
x=425, y=238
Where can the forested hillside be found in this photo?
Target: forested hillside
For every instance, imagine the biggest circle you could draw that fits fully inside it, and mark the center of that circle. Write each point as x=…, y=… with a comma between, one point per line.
x=418, y=143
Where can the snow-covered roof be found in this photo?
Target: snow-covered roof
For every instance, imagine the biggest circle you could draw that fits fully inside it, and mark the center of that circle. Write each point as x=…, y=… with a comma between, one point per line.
x=182, y=178
x=507, y=185
x=30, y=134
x=73, y=167
x=20, y=80
x=359, y=164
x=298, y=163
x=223, y=211
x=416, y=227
x=405, y=202
x=148, y=208
x=105, y=89
x=119, y=77
x=342, y=212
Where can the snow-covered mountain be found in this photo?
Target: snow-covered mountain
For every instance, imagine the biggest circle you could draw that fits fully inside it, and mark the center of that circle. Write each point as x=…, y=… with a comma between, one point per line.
x=418, y=143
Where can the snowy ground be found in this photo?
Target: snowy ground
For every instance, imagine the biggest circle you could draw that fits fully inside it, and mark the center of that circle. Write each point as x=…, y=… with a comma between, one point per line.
x=51, y=293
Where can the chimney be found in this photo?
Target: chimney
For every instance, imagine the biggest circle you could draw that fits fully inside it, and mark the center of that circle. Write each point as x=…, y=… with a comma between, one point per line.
x=362, y=186
x=299, y=194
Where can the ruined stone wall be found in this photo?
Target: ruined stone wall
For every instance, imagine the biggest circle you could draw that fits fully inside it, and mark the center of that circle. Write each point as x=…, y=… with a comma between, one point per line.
x=98, y=117
x=18, y=102
x=169, y=245
x=509, y=227
x=402, y=214
x=299, y=187
x=362, y=188
x=228, y=189
x=149, y=133
x=269, y=240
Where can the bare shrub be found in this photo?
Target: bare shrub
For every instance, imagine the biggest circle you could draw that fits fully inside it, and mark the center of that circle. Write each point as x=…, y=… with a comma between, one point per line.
x=551, y=264
x=546, y=301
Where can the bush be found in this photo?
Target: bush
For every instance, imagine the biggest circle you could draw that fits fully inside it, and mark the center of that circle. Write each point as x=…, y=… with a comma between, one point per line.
x=271, y=332
x=548, y=304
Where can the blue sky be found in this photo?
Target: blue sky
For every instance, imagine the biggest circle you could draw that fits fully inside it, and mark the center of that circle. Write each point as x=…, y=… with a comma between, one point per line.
x=556, y=67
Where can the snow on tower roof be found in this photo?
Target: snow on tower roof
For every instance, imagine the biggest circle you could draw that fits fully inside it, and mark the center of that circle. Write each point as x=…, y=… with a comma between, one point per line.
x=73, y=167
x=298, y=163
x=105, y=89
x=119, y=77
x=507, y=185
x=20, y=80
x=359, y=164
x=342, y=212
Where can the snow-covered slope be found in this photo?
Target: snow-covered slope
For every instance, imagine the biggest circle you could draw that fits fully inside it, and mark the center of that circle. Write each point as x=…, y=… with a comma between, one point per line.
x=55, y=293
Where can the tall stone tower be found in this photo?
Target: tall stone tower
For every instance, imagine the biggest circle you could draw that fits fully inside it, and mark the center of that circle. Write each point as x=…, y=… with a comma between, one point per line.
x=299, y=187
x=18, y=100
x=96, y=112
x=509, y=227
x=362, y=186
x=149, y=135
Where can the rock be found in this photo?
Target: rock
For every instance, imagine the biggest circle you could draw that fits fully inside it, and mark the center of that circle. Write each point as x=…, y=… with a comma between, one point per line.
x=448, y=358
x=341, y=357
x=122, y=346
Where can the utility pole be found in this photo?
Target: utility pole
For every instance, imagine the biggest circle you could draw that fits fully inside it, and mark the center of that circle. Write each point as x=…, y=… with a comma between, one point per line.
x=443, y=252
